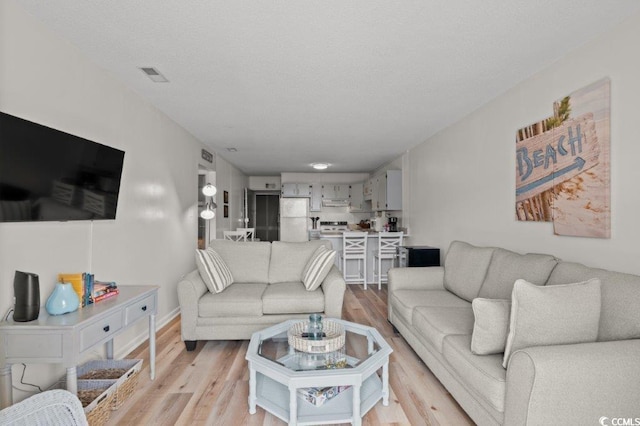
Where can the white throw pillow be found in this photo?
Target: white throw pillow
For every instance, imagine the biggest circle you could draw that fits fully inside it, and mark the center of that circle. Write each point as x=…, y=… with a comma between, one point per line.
x=491, y=325
x=553, y=315
x=214, y=272
x=318, y=268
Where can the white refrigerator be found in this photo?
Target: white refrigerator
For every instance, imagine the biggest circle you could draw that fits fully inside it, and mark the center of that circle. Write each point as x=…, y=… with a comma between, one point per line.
x=294, y=219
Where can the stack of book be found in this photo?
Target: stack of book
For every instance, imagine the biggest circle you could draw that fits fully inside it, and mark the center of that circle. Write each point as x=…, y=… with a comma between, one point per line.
x=104, y=290
x=88, y=289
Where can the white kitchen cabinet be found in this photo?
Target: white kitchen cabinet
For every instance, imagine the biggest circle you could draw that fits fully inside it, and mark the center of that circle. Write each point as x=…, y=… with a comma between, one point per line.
x=368, y=189
x=375, y=194
x=316, y=198
x=358, y=203
x=296, y=190
x=387, y=191
x=338, y=191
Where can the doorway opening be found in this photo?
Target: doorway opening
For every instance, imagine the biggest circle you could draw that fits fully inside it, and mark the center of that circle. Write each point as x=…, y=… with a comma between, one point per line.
x=267, y=211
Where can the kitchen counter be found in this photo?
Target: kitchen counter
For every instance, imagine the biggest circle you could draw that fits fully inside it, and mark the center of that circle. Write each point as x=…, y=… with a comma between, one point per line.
x=338, y=234
x=372, y=247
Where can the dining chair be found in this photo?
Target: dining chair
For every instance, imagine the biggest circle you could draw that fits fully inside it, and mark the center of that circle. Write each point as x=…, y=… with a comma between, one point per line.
x=235, y=235
x=250, y=233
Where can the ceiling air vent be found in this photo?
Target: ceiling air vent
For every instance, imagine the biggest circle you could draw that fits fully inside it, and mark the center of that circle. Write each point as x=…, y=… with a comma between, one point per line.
x=154, y=74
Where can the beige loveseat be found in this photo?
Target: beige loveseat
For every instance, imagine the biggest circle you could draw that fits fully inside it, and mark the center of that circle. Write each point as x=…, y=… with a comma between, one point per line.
x=561, y=384
x=267, y=289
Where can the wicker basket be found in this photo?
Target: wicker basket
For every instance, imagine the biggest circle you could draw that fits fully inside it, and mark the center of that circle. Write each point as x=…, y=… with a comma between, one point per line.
x=333, y=340
x=128, y=371
x=99, y=410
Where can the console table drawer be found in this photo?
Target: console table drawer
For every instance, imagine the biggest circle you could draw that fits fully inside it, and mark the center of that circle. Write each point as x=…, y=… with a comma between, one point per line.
x=94, y=333
x=46, y=346
x=140, y=309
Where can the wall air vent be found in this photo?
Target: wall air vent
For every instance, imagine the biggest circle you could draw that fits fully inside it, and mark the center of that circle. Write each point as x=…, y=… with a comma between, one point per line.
x=154, y=75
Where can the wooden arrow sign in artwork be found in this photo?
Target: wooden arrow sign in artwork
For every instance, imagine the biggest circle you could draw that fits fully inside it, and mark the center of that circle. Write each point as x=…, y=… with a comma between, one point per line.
x=547, y=159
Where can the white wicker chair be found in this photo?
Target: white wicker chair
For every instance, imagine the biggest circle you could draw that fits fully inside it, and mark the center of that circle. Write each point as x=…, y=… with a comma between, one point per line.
x=50, y=408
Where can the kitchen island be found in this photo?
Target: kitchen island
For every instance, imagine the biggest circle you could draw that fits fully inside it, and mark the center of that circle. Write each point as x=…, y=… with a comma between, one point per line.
x=372, y=248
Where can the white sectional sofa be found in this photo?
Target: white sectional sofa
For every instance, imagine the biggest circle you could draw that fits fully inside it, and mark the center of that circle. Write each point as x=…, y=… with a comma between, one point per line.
x=568, y=384
x=267, y=289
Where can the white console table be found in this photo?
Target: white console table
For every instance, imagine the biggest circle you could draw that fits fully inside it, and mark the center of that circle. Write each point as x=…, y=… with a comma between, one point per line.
x=64, y=339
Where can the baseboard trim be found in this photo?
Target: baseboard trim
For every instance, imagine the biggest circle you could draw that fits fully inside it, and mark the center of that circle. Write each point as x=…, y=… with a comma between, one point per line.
x=125, y=350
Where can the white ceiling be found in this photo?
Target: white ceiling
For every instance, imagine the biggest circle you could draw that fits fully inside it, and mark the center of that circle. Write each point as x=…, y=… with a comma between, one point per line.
x=353, y=83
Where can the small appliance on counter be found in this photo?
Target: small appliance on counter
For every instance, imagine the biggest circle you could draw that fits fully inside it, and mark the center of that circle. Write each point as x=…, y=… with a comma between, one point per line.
x=376, y=224
x=26, y=287
x=314, y=222
x=393, y=224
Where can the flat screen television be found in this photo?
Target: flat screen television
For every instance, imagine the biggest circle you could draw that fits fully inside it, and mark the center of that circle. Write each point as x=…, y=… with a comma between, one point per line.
x=50, y=175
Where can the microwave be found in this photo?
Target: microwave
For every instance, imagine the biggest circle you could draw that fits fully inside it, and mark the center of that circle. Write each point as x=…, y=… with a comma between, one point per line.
x=413, y=256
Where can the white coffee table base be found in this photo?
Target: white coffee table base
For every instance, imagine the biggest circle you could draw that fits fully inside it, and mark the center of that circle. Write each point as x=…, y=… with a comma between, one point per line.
x=276, y=398
x=274, y=388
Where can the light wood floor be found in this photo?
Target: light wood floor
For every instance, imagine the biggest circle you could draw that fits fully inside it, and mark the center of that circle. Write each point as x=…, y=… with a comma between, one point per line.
x=210, y=385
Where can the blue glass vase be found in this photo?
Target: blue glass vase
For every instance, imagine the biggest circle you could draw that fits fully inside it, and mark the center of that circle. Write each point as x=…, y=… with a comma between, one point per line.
x=63, y=300
x=315, y=327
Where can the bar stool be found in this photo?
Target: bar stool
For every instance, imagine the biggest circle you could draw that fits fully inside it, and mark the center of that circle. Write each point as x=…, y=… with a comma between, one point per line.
x=388, y=242
x=235, y=235
x=354, y=247
x=250, y=233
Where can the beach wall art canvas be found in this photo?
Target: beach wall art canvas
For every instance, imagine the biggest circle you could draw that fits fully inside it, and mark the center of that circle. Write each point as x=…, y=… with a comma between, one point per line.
x=562, y=165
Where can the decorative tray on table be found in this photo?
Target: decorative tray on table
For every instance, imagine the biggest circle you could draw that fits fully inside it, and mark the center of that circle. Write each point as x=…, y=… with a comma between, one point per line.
x=332, y=340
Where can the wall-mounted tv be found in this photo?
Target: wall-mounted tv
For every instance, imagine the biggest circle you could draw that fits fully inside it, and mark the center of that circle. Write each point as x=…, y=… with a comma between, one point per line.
x=49, y=175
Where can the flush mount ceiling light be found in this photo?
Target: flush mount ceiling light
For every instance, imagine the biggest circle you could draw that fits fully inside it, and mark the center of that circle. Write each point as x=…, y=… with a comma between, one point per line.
x=209, y=190
x=154, y=75
x=232, y=149
x=320, y=166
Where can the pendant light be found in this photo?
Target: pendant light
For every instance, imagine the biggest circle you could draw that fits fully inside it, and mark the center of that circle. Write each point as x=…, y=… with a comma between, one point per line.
x=208, y=213
x=209, y=191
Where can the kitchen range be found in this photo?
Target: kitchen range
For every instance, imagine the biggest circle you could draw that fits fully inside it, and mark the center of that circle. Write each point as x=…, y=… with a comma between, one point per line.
x=329, y=228
x=335, y=227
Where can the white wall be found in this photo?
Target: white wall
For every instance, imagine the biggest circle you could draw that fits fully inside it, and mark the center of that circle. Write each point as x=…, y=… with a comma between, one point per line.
x=232, y=180
x=463, y=179
x=46, y=80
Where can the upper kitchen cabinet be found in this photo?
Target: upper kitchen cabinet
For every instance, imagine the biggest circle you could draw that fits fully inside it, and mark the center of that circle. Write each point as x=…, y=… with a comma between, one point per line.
x=368, y=189
x=387, y=191
x=296, y=190
x=316, y=197
x=335, y=191
x=358, y=203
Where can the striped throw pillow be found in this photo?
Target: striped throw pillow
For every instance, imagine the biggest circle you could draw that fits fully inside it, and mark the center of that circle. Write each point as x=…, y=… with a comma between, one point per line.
x=318, y=268
x=214, y=272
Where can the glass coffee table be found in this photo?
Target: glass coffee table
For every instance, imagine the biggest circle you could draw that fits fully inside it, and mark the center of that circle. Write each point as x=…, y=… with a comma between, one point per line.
x=302, y=388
